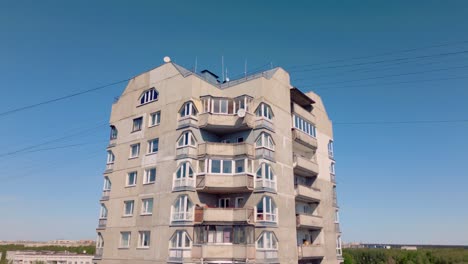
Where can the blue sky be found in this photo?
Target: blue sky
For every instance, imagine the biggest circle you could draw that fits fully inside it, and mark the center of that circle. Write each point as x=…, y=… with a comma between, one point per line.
x=400, y=183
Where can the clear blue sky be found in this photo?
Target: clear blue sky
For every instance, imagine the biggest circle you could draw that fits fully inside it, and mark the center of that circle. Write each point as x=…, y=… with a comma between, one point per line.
x=401, y=183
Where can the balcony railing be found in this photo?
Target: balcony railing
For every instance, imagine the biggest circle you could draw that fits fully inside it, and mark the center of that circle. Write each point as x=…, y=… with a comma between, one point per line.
x=225, y=149
x=183, y=184
x=261, y=122
x=224, y=215
x=109, y=166
x=309, y=221
x=98, y=254
x=337, y=228
x=225, y=183
x=264, y=184
x=223, y=251
x=227, y=123
x=304, y=139
x=180, y=254
x=311, y=251
x=105, y=195
x=305, y=167
x=332, y=177
x=307, y=193
x=182, y=216
x=102, y=223
x=266, y=254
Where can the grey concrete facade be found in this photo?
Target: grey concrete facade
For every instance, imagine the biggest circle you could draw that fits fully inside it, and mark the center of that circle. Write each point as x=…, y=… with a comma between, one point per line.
x=243, y=172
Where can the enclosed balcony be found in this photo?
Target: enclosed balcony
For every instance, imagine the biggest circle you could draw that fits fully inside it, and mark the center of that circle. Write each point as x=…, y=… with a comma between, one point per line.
x=309, y=221
x=311, y=251
x=225, y=183
x=237, y=252
x=304, y=139
x=98, y=254
x=307, y=193
x=305, y=167
x=239, y=215
x=102, y=223
x=226, y=149
x=105, y=195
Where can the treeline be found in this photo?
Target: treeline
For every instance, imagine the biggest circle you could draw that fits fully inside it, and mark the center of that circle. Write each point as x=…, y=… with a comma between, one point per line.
x=90, y=250
x=397, y=256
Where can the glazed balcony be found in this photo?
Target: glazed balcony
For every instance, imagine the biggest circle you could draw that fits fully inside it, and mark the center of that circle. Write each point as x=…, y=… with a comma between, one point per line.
x=102, y=223
x=337, y=228
x=226, y=149
x=304, y=139
x=223, y=251
x=307, y=193
x=305, y=167
x=239, y=215
x=311, y=251
x=98, y=254
x=225, y=123
x=297, y=109
x=309, y=221
x=105, y=195
x=261, y=122
x=267, y=255
x=225, y=183
x=180, y=255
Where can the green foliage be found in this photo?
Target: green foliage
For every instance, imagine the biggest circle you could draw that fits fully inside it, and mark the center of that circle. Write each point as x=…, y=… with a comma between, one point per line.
x=4, y=248
x=396, y=256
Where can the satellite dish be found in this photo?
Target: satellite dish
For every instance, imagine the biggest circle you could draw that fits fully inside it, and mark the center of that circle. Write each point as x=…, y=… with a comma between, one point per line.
x=167, y=59
x=241, y=112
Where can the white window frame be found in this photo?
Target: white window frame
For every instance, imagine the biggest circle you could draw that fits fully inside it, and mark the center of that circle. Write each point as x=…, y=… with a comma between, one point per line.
x=188, y=110
x=180, y=239
x=144, y=236
x=187, y=212
x=248, y=165
x=128, y=183
x=268, y=238
x=151, y=145
x=330, y=149
x=103, y=212
x=264, y=111
x=224, y=202
x=149, y=96
x=185, y=180
x=121, y=245
x=155, y=119
x=188, y=137
x=304, y=126
x=332, y=168
x=110, y=157
x=99, y=241
x=147, y=177
x=113, y=133
x=145, y=208
x=132, y=207
x=107, y=184
x=139, y=127
x=269, y=214
x=137, y=145
x=265, y=141
x=267, y=176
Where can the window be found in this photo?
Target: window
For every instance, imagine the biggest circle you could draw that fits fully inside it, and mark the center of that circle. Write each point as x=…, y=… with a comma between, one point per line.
x=186, y=139
x=153, y=146
x=180, y=240
x=265, y=177
x=337, y=217
x=266, y=210
x=131, y=178
x=147, y=206
x=304, y=125
x=338, y=246
x=128, y=208
x=332, y=168
x=107, y=184
x=103, y=212
x=144, y=239
x=330, y=148
x=188, y=109
x=240, y=139
x=125, y=239
x=264, y=140
x=110, y=157
x=239, y=166
x=134, y=150
x=227, y=166
x=99, y=241
x=137, y=124
x=222, y=234
x=149, y=96
x=267, y=241
x=217, y=166
x=264, y=110
x=226, y=105
x=113, y=133
x=182, y=209
x=155, y=118
x=239, y=202
x=184, y=175
x=224, y=202
x=150, y=176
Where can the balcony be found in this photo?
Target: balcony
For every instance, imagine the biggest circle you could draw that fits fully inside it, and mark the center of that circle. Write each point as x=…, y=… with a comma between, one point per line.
x=109, y=167
x=307, y=193
x=102, y=223
x=105, y=195
x=225, y=183
x=261, y=122
x=309, y=221
x=267, y=256
x=337, y=228
x=304, y=139
x=265, y=185
x=332, y=177
x=226, y=149
x=223, y=251
x=311, y=251
x=187, y=121
x=184, y=184
x=186, y=152
x=239, y=215
x=305, y=167
x=264, y=153
x=225, y=123
x=180, y=255
x=98, y=254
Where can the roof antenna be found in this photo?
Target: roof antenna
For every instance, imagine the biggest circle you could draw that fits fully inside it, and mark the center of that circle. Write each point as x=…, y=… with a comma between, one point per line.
x=227, y=78
x=222, y=67
x=196, y=62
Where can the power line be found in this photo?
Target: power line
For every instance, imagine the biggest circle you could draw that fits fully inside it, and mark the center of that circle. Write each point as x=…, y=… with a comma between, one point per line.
x=401, y=122
x=382, y=54
x=59, y=98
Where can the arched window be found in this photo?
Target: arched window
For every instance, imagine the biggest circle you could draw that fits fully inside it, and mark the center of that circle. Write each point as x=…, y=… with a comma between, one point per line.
x=182, y=209
x=266, y=210
x=113, y=132
x=107, y=184
x=110, y=157
x=103, y=212
x=267, y=241
x=186, y=139
x=188, y=109
x=184, y=176
x=264, y=110
x=149, y=96
x=265, y=140
x=181, y=240
x=99, y=241
x=265, y=177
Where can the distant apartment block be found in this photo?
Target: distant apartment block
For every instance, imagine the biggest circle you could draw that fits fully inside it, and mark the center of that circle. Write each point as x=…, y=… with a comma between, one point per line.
x=47, y=257
x=200, y=170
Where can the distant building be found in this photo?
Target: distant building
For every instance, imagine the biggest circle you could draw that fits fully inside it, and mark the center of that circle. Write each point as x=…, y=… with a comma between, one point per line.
x=409, y=248
x=48, y=257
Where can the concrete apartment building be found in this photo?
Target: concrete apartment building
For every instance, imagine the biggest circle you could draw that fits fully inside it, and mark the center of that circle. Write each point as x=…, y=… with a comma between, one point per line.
x=201, y=170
